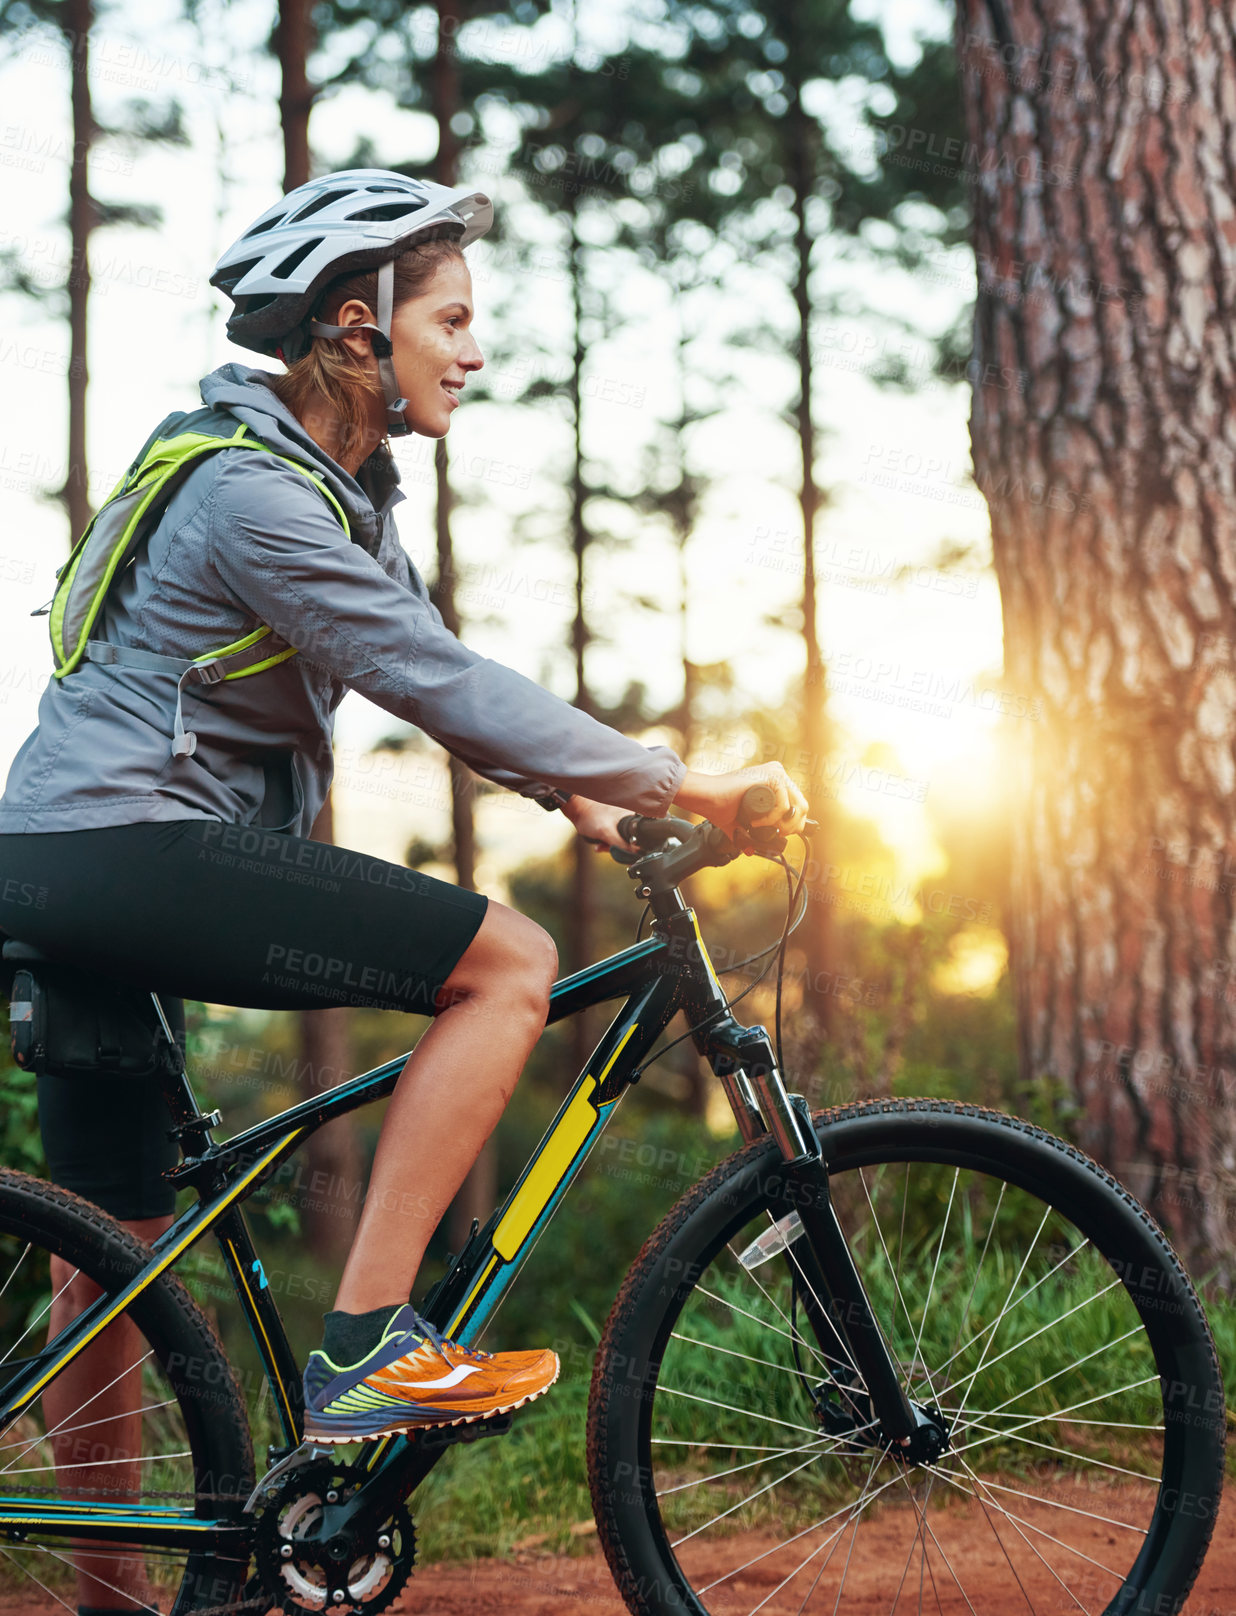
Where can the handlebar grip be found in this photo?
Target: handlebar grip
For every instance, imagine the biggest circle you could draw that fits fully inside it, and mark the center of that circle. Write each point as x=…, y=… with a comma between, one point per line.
x=627, y=826
x=756, y=800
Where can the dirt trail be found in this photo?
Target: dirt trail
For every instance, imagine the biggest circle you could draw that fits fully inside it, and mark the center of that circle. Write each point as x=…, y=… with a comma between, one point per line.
x=532, y=1583
x=535, y=1584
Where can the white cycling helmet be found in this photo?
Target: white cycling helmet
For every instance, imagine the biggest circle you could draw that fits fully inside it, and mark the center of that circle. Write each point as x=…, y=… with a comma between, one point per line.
x=340, y=224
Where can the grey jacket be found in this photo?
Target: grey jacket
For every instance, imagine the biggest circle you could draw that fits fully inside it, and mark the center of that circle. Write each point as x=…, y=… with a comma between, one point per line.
x=247, y=540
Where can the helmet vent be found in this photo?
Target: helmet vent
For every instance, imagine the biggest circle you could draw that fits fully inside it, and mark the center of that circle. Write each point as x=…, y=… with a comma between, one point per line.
x=261, y=226
x=296, y=257
x=389, y=210
x=236, y=273
x=323, y=201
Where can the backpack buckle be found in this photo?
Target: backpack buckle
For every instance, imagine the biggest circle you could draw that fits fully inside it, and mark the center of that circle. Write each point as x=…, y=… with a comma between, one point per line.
x=208, y=673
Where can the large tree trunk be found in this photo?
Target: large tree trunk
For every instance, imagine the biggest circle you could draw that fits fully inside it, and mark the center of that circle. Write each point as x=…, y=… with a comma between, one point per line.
x=332, y=1154
x=581, y=927
x=478, y=1194
x=817, y=930
x=1102, y=437
x=682, y=505
x=294, y=41
x=78, y=21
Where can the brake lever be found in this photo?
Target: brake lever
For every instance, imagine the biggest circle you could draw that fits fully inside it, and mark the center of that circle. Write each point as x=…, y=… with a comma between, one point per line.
x=766, y=840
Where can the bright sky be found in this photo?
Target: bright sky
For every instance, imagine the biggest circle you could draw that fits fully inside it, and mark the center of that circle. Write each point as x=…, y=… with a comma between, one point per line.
x=912, y=661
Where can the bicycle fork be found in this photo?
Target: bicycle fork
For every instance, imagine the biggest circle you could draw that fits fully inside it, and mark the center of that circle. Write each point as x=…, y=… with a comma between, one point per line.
x=833, y=1294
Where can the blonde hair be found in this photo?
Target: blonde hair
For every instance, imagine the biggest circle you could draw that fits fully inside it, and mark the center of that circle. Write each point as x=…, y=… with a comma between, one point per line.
x=328, y=372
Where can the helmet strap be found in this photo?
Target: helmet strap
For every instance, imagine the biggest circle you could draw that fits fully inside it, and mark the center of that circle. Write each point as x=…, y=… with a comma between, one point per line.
x=396, y=426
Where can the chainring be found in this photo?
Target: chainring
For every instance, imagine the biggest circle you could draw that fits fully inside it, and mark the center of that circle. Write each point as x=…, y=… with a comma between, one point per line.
x=306, y=1581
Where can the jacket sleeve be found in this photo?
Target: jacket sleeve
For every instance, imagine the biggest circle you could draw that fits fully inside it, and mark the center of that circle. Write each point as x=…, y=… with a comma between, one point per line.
x=501, y=777
x=280, y=552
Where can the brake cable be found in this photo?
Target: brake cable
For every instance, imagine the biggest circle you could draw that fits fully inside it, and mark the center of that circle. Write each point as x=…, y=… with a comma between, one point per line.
x=777, y=949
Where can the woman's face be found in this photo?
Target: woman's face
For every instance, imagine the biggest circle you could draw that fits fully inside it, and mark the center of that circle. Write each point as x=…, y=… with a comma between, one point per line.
x=434, y=348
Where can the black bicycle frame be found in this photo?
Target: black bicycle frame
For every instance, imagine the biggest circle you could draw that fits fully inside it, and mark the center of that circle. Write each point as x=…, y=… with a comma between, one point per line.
x=668, y=972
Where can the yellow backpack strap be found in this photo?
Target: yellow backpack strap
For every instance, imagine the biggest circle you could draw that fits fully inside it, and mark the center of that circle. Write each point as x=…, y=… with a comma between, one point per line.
x=253, y=653
x=254, y=442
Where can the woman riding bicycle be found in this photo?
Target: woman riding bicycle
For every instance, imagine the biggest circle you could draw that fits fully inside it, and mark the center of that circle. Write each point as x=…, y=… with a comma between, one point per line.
x=165, y=823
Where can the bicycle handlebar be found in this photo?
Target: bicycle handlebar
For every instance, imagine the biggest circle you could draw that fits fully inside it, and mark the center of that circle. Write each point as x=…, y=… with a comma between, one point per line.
x=681, y=848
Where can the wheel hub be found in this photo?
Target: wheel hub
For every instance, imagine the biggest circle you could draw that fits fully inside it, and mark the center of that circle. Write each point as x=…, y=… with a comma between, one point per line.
x=844, y=1412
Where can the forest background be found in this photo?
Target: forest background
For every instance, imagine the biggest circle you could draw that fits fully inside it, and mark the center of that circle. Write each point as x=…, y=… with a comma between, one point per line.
x=758, y=273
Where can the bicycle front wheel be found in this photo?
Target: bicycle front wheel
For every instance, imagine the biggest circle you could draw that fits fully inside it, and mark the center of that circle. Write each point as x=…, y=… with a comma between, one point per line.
x=1032, y=1306
x=147, y=1422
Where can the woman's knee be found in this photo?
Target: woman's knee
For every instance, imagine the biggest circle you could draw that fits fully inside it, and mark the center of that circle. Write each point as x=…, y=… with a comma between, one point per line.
x=511, y=956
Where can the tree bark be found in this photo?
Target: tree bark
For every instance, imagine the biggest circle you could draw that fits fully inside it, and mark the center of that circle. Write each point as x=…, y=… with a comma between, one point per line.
x=78, y=21
x=294, y=41
x=1101, y=145
x=478, y=1194
x=332, y=1154
x=581, y=927
x=817, y=930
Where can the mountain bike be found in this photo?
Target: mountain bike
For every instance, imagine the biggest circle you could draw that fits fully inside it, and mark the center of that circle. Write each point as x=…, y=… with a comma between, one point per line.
x=894, y=1355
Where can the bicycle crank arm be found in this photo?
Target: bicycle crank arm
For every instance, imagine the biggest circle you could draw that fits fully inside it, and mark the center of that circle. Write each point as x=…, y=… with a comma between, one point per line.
x=836, y=1302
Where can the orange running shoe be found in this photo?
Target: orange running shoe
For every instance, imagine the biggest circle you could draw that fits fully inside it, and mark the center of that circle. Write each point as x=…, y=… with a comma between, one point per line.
x=417, y=1377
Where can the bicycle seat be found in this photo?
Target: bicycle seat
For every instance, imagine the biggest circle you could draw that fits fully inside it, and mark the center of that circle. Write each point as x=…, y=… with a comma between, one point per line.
x=15, y=949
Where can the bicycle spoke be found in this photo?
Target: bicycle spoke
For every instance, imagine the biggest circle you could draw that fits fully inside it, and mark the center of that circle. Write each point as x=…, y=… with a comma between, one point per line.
x=1018, y=1521
x=1003, y=1433
x=815, y=1526
x=970, y=1493
x=766, y=1324
x=716, y=1475
x=978, y=1270
x=58, y=1429
x=41, y=1314
x=759, y=1493
x=1100, y=1464
x=712, y=1346
x=1056, y=1503
x=1025, y=1342
x=86, y=1425
x=935, y=1267
x=785, y=1581
x=940, y=1550
x=1076, y=1364
x=729, y=1408
x=891, y=1269
x=26, y=1572
x=1025, y=1295
x=42, y=1548
x=1012, y=1288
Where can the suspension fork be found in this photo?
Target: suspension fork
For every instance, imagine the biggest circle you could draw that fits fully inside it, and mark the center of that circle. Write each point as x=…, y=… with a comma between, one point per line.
x=834, y=1298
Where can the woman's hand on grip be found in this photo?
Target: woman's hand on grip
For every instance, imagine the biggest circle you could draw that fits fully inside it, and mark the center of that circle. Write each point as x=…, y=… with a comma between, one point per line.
x=719, y=796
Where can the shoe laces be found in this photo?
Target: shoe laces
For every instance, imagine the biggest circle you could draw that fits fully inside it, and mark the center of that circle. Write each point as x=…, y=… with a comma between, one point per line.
x=432, y=1333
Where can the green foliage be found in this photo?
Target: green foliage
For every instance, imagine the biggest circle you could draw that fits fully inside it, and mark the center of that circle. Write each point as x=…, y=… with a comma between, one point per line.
x=20, y=1144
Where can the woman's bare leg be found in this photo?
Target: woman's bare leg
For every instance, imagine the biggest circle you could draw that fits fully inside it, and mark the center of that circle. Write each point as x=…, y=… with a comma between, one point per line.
x=92, y=1413
x=447, y=1102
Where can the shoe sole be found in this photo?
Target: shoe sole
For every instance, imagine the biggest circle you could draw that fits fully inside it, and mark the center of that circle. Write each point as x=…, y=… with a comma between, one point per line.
x=338, y=1439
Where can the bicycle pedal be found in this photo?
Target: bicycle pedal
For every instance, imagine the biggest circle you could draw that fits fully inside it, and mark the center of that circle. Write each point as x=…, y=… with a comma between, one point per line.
x=446, y=1436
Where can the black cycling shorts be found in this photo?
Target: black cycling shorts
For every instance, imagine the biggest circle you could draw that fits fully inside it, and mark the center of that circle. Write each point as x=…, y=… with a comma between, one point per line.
x=235, y=915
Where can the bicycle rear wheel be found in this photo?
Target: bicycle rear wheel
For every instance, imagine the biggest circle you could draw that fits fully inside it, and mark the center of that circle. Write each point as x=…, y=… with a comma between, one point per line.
x=149, y=1418
x=1028, y=1300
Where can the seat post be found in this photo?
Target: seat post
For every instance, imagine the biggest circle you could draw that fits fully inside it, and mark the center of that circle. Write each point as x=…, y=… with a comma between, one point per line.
x=191, y=1126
